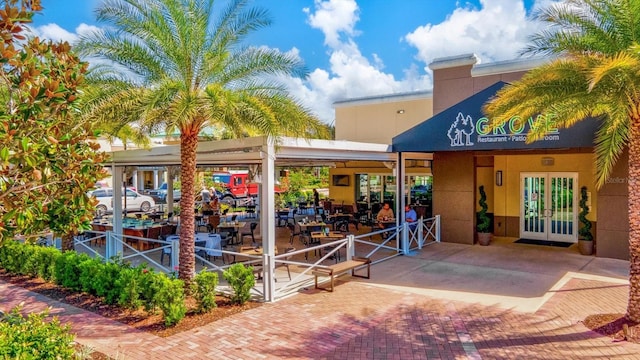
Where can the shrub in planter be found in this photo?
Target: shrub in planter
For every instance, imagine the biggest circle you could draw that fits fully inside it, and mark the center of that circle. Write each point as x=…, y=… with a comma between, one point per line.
x=484, y=222
x=204, y=290
x=585, y=238
x=33, y=337
x=241, y=280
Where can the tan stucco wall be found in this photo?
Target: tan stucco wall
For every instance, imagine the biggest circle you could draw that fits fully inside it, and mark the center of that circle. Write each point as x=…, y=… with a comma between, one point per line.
x=453, y=195
x=612, y=232
x=379, y=123
x=450, y=86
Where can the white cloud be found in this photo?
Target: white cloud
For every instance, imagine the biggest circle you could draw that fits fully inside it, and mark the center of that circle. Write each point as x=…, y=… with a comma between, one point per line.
x=333, y=17
x=350, y=73
x=498, y=30
x=55, y=33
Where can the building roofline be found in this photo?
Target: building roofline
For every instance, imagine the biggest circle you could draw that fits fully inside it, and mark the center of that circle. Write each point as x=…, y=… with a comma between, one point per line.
x=377, y=99
x=454, y=61
x=509, y=66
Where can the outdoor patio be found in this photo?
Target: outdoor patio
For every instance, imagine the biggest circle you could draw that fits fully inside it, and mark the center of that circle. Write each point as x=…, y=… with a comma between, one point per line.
x=296, y=256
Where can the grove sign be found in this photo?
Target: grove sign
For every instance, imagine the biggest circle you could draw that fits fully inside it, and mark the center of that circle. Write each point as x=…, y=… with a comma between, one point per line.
x=464, y=127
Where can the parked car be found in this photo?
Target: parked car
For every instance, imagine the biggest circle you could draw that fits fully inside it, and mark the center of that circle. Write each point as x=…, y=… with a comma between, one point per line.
x=134, y=201
x=160, y=194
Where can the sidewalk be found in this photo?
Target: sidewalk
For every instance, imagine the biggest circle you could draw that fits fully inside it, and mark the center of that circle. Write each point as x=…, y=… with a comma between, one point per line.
x=449, y=301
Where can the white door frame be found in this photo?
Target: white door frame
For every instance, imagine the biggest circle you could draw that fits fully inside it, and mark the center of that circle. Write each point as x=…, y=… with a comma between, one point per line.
x=546, y=218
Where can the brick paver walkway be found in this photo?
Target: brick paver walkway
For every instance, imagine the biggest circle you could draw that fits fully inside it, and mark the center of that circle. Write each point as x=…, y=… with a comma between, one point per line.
x=361, y=321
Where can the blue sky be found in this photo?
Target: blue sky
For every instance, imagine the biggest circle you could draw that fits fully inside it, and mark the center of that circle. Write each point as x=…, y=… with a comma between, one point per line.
x=358, y=48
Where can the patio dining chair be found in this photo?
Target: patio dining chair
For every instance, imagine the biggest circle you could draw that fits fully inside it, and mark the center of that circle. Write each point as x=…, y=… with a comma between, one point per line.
x=252, y=228
x=285, y=265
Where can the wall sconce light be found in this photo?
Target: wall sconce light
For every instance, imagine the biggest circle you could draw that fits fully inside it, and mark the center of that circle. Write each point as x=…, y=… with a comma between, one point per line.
x=547, y=161
x=401, y=111
x=499, y=178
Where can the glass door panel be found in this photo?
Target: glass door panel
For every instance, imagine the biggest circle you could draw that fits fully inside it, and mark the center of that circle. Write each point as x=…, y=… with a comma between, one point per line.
x=533, y=222
x=546, y=206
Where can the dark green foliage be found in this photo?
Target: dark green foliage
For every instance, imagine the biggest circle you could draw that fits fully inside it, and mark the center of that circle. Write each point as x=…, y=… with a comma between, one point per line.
x=68, y=270
x=32, y=260
x=204, y=290
x=34, y=338
x=128, y=288
x=585, y=225
x=241, y=280
x=484, y=221
x=89, y=282
x=115, y=281
x=170, y=299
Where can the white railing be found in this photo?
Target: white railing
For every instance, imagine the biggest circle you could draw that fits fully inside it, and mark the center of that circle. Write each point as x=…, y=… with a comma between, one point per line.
x=425, y=232
x=399, y=240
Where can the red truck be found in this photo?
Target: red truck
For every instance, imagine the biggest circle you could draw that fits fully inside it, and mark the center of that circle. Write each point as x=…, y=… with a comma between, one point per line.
x=236, y=185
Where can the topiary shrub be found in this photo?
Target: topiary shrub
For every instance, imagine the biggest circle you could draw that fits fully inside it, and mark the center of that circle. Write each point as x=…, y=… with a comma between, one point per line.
x=241, y=280
x=484, y=222
x=585, y=225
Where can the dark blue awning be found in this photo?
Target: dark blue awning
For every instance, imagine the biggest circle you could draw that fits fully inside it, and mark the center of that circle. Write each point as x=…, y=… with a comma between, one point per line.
x=463, y=127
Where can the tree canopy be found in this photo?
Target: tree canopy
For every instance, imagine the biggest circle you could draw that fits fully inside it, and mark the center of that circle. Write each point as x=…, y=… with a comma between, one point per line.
x=47, y=158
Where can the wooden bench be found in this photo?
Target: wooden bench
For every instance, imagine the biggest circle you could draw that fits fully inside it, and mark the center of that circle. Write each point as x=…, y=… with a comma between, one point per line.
x=336, y=269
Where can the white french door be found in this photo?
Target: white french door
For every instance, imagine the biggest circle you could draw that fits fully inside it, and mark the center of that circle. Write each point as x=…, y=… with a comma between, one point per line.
x=548, y=206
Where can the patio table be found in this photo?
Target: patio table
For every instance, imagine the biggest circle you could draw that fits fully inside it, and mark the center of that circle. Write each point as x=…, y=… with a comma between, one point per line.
x=234, y=227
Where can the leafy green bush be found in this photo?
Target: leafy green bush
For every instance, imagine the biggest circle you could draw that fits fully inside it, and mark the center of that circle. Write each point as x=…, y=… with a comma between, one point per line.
x=45, y=262
x=128, y=289
x=13, y=256
x=106, y=277
x=33, y=337
x=115, y=281
x=88, y=269
x=170, y=299
x=150, y=285
x=204, y=290
x=241, y=280
x=68, y=269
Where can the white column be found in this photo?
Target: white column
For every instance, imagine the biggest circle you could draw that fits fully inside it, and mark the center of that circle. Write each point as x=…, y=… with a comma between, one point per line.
x=267, y=210
x=155, y=179
x=134, y=180
x=401, y=186
x=169, y=197
x=118, y=176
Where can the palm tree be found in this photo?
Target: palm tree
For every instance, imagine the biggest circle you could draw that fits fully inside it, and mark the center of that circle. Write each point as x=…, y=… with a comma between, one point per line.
x=185, y=71
x=596, y=74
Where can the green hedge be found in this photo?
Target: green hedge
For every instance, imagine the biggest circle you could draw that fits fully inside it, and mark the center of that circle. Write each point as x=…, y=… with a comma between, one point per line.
x=115, y=282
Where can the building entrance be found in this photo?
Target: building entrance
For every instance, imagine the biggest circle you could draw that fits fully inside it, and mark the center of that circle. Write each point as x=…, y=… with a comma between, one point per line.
x=548, y=206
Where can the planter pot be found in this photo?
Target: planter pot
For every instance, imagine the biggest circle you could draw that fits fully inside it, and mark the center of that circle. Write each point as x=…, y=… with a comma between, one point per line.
x=484, y=239
x=585, y=247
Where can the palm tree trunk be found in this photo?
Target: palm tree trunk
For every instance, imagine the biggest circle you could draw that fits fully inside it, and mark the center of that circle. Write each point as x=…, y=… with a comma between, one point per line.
x=188, y=146
x=633, y=307
x=67, y=241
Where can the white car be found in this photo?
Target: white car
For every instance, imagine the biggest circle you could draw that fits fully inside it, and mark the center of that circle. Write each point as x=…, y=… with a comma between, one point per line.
x=134, y=201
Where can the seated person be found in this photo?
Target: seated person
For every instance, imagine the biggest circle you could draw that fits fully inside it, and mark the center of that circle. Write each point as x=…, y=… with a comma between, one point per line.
x=383, y=215
x=410, y=216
